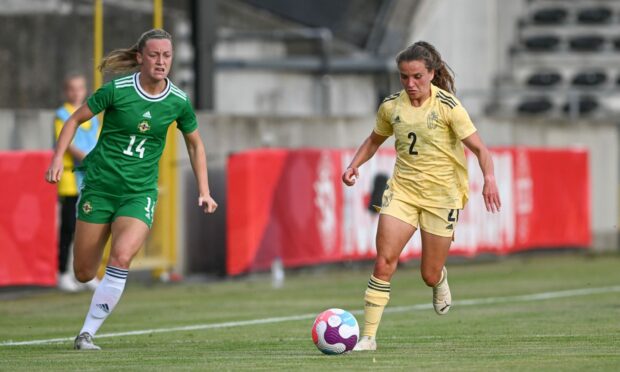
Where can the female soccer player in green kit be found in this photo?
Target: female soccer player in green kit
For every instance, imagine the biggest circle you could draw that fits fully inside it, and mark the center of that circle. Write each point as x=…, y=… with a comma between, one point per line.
x=120, y=185
x=429, y=185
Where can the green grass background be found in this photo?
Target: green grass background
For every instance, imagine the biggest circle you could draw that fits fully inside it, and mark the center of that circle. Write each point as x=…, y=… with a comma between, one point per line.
x=563, y=334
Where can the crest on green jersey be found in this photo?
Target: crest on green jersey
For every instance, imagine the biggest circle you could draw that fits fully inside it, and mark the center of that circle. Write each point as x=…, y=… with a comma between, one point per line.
x=431, y=120
x=87, y=207
x=144, y=126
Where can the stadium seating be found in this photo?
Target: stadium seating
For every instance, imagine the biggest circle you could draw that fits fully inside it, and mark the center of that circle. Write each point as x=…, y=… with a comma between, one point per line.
x=590, y=78
x=585, y=105
x=544, y=79
x=535, y=105
x=550, y=16
x=596, y=15
x=564, y=60
x=542, y=43
x=586, y=43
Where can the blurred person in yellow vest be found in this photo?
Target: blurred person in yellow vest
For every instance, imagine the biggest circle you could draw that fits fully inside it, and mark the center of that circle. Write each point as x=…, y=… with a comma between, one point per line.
x=75, y=92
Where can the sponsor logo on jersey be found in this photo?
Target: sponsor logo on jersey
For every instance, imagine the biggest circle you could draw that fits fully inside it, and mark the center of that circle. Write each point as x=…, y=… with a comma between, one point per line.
x=431, y=120
x=147, y=115
x=87, y=207
x=397, y=120
x=144, y=126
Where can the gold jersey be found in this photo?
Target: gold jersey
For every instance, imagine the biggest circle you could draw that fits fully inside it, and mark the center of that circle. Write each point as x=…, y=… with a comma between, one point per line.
x=430, y=170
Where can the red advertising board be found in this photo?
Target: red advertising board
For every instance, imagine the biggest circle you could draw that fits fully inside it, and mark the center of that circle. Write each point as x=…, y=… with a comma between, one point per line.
x=291, y=204
x=28, y=242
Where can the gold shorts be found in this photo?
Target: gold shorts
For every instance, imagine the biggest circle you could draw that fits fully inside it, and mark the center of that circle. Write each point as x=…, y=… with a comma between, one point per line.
x=437, y=221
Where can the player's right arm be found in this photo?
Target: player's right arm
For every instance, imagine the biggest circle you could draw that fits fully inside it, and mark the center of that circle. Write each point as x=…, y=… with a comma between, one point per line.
x=366, y=151
x=383, y=129
x=64, y=141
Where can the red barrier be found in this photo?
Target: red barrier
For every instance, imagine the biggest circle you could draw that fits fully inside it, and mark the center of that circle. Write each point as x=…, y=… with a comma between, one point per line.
x=28, y=241
x=291, y=204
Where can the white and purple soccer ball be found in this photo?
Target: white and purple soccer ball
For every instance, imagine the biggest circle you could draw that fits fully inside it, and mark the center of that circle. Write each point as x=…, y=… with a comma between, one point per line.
x=335, y=331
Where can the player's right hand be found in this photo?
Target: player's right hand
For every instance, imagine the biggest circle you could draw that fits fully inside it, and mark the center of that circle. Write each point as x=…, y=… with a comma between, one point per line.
x=54, y=171
x=350, y=176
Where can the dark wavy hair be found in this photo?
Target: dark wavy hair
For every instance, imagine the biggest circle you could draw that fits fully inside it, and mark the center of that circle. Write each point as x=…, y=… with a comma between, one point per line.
x=423, y=51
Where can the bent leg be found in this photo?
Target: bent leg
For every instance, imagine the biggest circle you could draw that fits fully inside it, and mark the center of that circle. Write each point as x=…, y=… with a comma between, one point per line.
x=392, y=236
x=434, y=254
x=90, y=239
x=128, y=235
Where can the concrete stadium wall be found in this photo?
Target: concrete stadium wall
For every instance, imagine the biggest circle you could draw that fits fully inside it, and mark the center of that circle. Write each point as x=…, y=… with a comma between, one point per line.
x=203, y=236
x=474, y=38
x=259, y=92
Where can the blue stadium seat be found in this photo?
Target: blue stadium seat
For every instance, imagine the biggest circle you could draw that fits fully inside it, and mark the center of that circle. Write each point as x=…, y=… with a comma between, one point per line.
x=586, y=43
x=542, y=43
x=535, y=105
x=595, y=15
x=544, y=79
x=549, y=16
x=590, y=78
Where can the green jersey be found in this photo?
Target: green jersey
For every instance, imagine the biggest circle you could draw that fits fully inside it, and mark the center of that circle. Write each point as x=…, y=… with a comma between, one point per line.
x=126, y=157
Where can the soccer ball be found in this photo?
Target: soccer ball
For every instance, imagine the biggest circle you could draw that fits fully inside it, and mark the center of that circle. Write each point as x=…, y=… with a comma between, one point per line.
x=335, y=331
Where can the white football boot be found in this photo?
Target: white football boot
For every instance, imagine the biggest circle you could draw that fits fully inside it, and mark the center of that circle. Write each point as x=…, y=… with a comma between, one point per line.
x=366, y=343
x=442, y=298
x=84, y=341
x=67, y=283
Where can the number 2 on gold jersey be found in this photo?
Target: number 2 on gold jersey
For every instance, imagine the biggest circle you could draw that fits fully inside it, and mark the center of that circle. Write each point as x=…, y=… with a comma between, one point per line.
x=414, y=138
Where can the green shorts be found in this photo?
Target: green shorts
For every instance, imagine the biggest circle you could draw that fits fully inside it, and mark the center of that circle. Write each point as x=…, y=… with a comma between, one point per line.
x=98, y=207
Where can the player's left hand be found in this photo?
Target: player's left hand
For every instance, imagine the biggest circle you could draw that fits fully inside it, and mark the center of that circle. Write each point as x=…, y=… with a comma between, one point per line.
x=490, y=194
x=207, y=203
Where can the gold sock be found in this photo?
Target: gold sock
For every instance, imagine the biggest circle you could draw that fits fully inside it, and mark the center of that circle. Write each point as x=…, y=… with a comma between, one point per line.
x=377, y=296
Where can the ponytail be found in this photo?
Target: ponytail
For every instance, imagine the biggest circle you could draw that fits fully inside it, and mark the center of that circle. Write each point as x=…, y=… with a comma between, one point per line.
x=423, y=51
x=120, y=60
x=124, y=60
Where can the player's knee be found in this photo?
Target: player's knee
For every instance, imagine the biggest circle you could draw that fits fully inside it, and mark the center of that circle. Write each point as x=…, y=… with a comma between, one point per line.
x=84, y=275
x=431, y=277
x=121, y=260
x=385, y=266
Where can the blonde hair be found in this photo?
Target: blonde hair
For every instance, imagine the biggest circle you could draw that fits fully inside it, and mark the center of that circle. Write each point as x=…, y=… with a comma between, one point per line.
x=124, y=60
x=423, y=51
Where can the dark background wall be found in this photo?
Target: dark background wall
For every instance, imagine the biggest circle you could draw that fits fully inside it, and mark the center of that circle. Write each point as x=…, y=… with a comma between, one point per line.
x=38, y=49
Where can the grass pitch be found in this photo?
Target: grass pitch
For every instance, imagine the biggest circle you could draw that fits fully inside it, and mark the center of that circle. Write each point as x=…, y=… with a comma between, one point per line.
x=566, y=331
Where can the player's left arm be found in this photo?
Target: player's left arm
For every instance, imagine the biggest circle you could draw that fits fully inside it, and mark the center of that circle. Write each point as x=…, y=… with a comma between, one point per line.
x=198, y=159
x=490, y=192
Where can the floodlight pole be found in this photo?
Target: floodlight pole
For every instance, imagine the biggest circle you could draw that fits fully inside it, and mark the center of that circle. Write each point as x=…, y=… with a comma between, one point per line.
x=98, y=43
x=158, y=13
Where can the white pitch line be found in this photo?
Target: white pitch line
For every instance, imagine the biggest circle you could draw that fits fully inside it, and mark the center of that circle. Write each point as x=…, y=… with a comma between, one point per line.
x=396, y=309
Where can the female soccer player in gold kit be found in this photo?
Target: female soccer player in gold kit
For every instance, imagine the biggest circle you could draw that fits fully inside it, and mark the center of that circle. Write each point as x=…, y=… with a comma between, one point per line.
x=429, y=185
